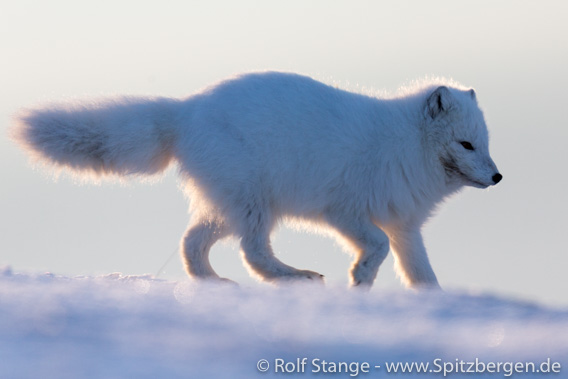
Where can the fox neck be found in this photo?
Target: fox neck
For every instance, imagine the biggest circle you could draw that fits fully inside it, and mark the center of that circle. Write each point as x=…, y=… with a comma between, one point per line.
x=418, y=179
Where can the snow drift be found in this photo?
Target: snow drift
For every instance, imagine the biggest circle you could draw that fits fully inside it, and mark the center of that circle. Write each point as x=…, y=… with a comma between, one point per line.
x=139, y=327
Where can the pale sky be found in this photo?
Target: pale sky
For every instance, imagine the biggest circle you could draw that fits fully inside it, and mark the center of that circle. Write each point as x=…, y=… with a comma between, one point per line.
x=507, y=240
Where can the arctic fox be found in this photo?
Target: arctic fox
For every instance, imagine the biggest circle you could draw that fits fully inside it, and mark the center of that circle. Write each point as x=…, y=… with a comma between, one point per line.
x=265, y=147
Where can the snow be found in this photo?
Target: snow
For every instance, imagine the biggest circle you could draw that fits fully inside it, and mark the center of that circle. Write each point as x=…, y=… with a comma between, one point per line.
x=119, y=326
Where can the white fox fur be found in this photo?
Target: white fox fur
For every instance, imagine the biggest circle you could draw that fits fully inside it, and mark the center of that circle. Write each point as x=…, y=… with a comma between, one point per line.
x=265, y=147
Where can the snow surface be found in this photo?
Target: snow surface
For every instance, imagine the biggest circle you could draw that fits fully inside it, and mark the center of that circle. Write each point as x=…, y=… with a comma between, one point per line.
x=118, y=326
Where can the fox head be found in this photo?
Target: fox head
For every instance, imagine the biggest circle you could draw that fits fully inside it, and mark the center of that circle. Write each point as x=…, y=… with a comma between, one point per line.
x=456, y=130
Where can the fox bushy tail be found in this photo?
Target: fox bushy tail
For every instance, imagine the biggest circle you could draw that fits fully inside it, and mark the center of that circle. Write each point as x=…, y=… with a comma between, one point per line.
x=116, y=137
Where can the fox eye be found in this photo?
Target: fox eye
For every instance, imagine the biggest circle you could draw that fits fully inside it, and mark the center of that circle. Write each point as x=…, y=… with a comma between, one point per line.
x=467, y=145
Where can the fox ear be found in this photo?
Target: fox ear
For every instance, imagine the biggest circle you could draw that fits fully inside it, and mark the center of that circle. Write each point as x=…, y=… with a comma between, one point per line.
x=472, y=94
x=439, y=102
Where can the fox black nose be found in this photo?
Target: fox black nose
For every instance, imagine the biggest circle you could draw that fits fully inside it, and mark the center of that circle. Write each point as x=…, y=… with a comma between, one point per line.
x=497, y=178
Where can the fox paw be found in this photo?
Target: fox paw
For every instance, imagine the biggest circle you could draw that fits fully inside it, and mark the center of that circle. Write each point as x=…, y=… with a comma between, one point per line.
x=300, y=276
x=311, y=275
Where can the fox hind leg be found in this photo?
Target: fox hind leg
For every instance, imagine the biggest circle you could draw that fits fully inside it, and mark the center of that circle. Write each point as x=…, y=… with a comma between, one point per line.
x=259, y=256
x=196, y=245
